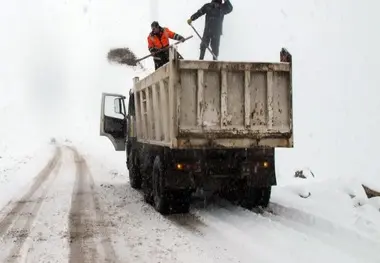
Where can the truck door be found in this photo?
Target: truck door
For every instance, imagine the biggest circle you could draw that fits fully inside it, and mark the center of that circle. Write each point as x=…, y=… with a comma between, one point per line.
x=113, y=123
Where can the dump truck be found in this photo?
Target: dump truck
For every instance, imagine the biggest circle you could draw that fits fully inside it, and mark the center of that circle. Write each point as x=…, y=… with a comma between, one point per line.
x=196, y=124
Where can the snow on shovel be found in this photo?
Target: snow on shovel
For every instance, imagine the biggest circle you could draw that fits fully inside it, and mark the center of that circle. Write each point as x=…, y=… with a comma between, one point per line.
x=125, y=56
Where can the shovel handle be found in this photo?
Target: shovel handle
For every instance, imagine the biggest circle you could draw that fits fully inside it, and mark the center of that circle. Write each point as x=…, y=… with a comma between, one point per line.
x=212, y=53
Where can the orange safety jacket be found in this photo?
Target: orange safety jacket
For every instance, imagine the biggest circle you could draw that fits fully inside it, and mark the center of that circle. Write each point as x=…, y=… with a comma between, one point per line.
x=161, y=40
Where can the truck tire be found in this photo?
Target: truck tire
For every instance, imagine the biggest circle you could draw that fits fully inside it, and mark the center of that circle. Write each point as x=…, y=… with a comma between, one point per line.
x=147, y=191
x=134, y=171
x=146, y=178
x=167, y=201
x=160, y=195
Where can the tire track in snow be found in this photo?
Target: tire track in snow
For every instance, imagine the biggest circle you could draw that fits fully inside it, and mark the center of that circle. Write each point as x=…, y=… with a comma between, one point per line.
x=188, y=221
x=345, y=244
x=41, y=177
x=328, y=231
x=254, y=236
x=311, y=220
x=86, y=219
x=18, y=221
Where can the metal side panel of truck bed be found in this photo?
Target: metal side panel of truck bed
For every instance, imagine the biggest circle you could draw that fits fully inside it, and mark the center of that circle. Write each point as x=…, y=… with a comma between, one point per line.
x=196, y=104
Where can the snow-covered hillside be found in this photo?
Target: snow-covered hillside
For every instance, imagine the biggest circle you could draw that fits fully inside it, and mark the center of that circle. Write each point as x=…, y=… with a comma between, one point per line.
x=53, y=69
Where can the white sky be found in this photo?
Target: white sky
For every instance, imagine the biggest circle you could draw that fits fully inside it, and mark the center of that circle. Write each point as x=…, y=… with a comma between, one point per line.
x=53, y=68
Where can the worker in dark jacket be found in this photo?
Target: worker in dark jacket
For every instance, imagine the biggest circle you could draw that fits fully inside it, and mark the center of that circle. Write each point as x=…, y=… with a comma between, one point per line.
x=215, y=12
x=285, y=56
x=159, y=39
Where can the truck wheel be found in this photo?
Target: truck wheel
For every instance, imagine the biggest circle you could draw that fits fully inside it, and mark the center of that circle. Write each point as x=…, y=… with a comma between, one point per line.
x=134, y=171
x=160, y=195
x=146, y=181
x=147, y=189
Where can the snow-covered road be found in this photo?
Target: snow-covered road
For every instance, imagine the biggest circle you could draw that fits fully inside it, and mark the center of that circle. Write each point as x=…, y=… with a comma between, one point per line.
x=78, y=208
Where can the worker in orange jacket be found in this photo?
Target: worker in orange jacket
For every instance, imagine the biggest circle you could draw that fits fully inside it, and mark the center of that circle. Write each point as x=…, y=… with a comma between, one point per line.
x=159, y=39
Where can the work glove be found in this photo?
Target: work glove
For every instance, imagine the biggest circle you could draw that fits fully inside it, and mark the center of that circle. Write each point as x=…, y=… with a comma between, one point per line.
x=182, y=39
x=189, y=21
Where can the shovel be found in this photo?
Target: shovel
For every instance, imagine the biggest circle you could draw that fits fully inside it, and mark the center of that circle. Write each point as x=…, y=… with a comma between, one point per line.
x=212, y=53
x=126, y=56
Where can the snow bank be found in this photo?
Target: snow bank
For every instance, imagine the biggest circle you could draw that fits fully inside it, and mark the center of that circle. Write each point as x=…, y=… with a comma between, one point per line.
x=342, y=202
x=18, y=167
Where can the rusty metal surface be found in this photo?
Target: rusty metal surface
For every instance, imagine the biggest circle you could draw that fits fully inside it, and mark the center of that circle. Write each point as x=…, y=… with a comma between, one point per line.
x=230, y=103
x=233, y=104
x=238, y=143
x=161, y=73
x=232, y=133
x=234, y=66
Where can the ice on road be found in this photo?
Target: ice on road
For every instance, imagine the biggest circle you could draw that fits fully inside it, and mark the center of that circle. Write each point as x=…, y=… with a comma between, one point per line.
x=69, y=204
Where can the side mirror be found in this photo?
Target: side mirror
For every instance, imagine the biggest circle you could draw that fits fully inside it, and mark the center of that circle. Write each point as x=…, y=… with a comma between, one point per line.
x=119, y=106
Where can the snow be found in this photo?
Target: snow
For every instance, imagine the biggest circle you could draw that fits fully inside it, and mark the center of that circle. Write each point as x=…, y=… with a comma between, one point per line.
x=374, y=202
x=53, y=69
x=219, y=231
x=332, y=202
x=328, y=223
x=18, y=169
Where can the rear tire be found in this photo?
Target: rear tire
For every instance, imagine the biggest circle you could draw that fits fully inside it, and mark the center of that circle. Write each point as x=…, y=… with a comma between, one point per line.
x=160, y=196
x=167, y=201
x=134, y=171
x=146, y=180
x=147, y=189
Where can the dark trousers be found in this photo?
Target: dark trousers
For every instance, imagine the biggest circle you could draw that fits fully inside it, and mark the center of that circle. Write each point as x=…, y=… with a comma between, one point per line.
x=163, y=58
x=215, y=42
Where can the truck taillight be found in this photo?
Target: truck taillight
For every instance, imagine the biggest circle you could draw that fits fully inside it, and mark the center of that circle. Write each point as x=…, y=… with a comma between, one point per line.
x=179, y=166
x=187, y=167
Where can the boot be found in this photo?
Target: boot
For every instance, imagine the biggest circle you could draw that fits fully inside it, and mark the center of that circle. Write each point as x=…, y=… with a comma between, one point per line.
x=202, y=54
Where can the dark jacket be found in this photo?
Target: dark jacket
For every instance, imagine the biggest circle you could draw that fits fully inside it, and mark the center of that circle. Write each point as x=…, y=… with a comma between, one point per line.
x=214, y=16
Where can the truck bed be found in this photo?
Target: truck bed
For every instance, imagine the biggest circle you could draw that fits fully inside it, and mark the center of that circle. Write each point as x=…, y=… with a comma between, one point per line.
x=197, y=104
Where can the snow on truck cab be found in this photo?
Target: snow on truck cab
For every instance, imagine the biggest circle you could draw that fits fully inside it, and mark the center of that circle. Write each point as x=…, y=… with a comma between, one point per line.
x=210, y=125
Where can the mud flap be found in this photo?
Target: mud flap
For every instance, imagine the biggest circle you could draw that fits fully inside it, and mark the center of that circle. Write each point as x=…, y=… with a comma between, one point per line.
x=177, y=180
x=258, y=177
